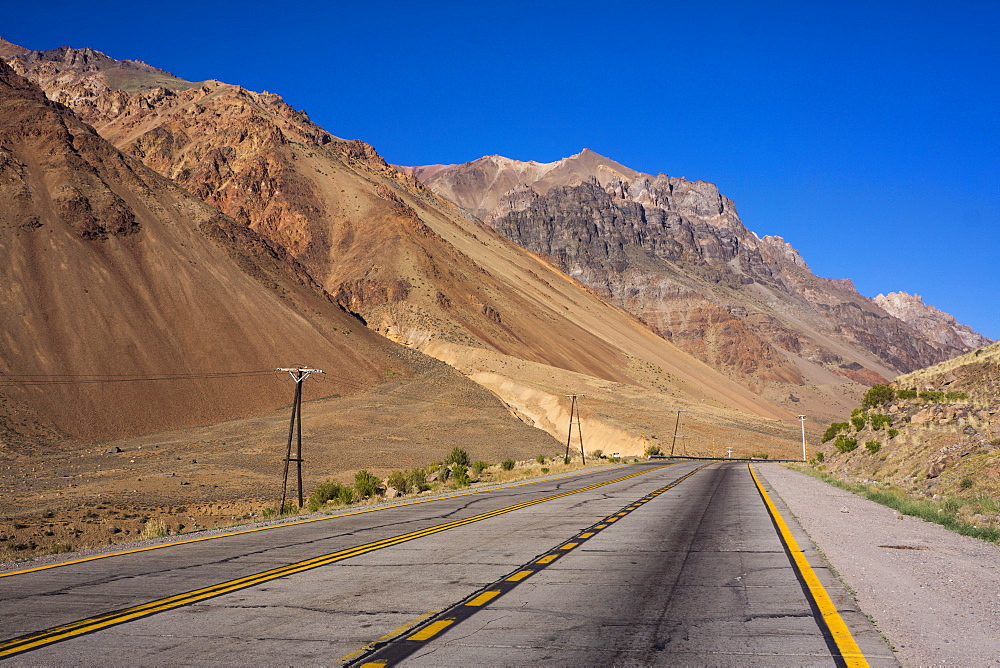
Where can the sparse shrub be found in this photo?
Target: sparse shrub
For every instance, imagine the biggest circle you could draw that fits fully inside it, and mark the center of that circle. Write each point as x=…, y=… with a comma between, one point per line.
x=956, y=396
x=834, y=429
x=952, y=504
x=507, y=464
x=880, y=421
x=966, y=483
x=906, y=394
x=330, y=490
x=859, y=421
x=845, y=444
x=460, y=475
x=458, y=456
x=545, y=469
x=479, y=467
x=565, y=461
x=931, y=396
x=444, y=474
x=597, y=454
x=873, y=446
x=820, y=457
x=653, y=450
x=878, y=395
x=540, y=459
x=995, y=442
x=418, y=480
x=155, y=528
x=760, y=455
x=366, y=484
x=399, y=481
x=892, y=433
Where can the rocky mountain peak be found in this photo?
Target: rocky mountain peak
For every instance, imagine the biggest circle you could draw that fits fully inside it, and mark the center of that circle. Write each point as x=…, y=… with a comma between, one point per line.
x=930, y=321
x=9, y=50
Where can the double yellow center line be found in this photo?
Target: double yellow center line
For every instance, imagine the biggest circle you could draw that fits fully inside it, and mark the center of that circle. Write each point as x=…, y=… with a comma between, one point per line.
x=56, y=634
x=389, y=651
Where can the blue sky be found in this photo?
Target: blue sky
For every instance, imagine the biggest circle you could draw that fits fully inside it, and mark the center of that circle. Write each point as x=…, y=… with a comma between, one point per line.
x=864, y=133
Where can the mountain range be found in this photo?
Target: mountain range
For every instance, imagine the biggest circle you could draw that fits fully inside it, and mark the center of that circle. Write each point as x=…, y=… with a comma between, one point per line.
x=364, y=243
x=675, y=254
x=222, y=230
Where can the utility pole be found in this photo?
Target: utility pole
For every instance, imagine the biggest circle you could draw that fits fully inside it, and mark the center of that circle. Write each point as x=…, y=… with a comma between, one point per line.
x=573, y=410
x=802, y=419
x=298, y=374
x=677, y=424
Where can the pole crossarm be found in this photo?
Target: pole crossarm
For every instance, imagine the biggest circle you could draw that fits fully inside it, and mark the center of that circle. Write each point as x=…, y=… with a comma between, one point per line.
x=299, y=374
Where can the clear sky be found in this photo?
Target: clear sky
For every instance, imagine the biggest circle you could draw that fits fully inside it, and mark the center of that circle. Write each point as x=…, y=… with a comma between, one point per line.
x=865, y=133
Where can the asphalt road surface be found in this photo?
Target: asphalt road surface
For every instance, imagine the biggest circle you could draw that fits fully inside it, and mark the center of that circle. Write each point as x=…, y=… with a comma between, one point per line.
x=637, y=565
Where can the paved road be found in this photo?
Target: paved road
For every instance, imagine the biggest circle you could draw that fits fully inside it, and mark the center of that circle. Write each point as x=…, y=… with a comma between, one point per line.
x=646, y=564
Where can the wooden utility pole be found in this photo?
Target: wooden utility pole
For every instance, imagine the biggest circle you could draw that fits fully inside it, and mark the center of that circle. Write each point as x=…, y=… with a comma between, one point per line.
x=676, y=425
x=298, y=374
x=573, y=410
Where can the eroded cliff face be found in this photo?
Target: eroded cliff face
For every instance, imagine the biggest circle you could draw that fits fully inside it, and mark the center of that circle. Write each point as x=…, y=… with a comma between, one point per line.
x=675, y=253
x=932, y=323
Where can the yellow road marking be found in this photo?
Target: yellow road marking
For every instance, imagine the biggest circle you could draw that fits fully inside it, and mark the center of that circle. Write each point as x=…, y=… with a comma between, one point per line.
x=520, y=575
x=55, y=634
x=548, y=559
x=388, y=636
x=484, y=598
x=601, y=526
x=431, y=630
x=373, y=664
x=845, y=642
x=587, y=535
x=568, y=546
x=611, y=519
x=287, y=524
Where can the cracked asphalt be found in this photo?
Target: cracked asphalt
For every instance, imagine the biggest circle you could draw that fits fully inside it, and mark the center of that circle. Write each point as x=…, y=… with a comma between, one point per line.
x=695, y=575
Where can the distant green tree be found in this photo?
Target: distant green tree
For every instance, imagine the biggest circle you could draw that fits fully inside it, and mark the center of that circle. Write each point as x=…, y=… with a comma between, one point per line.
x=878, y=395
x=458, y=456
x=879, y=421
x=366, y=484
x=873, y=446
x=460, y=475
x=859, y=421
x=507, y=464
x=845, y=444
x=834, y=429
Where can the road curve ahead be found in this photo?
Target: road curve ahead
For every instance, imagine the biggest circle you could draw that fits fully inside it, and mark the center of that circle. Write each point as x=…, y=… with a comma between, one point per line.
x=645, y=564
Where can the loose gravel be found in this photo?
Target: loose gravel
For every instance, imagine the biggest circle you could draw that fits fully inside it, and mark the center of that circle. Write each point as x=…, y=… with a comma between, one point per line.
x=934, y=594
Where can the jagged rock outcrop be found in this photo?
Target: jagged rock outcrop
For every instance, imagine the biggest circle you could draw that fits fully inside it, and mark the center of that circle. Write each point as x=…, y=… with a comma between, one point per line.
x=675, y=253
x=932, y=323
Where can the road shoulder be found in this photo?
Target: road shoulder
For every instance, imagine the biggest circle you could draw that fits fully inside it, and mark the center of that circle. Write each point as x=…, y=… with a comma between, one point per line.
x=934, y=594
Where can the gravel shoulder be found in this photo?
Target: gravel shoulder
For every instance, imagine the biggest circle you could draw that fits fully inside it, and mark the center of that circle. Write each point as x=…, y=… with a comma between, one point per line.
x=934, y=594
